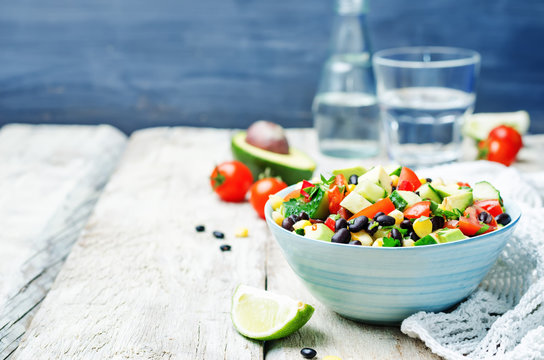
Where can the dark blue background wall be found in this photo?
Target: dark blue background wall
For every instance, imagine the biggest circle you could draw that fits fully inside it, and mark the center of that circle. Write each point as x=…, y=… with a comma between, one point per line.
x=226, y=63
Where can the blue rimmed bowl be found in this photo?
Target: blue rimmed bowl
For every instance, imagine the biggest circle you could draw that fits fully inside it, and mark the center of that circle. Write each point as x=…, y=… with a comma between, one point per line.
x=385, y=285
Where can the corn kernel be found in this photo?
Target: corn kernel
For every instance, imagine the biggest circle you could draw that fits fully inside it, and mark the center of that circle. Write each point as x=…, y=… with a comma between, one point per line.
x=241, y=232
x=378, y=242
x=301, y=224
x=423, y=227
x=275, y=201
x=363, y=237
x=408, y=242
x=351, y=187
x=422, y=181
x=398, y=215
x=394, y=180
x=277, y=217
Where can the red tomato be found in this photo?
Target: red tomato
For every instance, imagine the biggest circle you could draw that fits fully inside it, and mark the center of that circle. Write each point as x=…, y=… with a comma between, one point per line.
x=501, y=151
x=331, y=223
x=470, y=225
x=422, y=208
x=491, y=206
x=506, y=134
x=452, y=224
x=337, y=191
x=231, y=180
x=343, y=212
x=261, y=190
x=408, y=180
x=384, y=205
x=292, y=195
x=463, y=184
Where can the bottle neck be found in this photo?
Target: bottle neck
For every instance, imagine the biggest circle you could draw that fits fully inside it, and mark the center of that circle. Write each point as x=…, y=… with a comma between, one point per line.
x=351, y=7
x=350, y=36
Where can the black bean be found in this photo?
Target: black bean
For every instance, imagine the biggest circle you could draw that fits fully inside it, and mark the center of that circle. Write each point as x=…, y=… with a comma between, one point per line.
x=218, y=234
x=225, y=247
x=303, y=216
x=378, y=214
x=406, y=224
x=414, y=236
x=393, y=188
x=355, y=242
x=353, y=179
x=308, y=353
x=385, y=220
x=485, y=217
x=358, y=224
x=287, y=224
x=341, y=224
x=429, y=180
x=503, y=219
x=294, y=218
x=395, y=234
x=342, y=236
x=438, y=222
x=372, y=227
x=200, y=228
x=417, y=193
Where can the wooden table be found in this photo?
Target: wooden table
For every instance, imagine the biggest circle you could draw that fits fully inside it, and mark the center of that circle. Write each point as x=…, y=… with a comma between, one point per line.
x=141, y=283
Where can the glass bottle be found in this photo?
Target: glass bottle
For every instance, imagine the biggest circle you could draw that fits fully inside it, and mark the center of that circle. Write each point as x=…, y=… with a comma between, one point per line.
x=345, y=110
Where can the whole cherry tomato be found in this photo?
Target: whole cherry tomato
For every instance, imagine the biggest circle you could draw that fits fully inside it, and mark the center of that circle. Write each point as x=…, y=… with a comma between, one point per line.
x=506, y=134
x=502, y=145
x=231, y=180
x=261, y=190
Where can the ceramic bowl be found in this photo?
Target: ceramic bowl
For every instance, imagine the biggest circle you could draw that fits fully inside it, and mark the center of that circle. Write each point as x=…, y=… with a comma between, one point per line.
x=385, y=285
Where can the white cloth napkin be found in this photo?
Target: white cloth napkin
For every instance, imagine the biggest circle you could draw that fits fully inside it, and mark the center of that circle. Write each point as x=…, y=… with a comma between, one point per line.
x=504, y=317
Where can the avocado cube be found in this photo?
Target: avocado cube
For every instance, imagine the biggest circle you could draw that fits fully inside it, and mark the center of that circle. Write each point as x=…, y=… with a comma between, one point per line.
x=318, y=232
x=370, y=191
x=449, y=235
x=347, y=172
x=378, y=176
x=460, y=201
x=355, y=202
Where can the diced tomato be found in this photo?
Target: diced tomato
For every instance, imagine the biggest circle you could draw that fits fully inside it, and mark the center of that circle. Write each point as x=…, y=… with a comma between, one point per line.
x=292, y=195
x=470, y=225
x=384, y=205
x=336, y=193
x=408, y=176
x=331, y=223
x=452, y=224
x=422, y=208
x=491, y=206
x=306, y=185
x=462, y=184
x=343, y=212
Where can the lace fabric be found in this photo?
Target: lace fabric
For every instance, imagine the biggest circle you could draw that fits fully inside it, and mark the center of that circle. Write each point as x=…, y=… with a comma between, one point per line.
x=504, y=317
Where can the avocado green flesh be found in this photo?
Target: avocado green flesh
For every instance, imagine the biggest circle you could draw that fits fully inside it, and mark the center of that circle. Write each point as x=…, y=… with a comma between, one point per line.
x=292, y=167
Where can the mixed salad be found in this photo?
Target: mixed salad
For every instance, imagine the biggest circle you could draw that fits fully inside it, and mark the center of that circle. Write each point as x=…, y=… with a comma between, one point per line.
x=394, y=208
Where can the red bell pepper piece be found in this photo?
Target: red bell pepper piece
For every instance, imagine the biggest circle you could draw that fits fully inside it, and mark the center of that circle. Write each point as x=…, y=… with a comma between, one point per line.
x=408, y=180
x=491, y=206
x=336, y=193
x=384, y=205
x=306, y=185
x=331, y=223
x=422, y=208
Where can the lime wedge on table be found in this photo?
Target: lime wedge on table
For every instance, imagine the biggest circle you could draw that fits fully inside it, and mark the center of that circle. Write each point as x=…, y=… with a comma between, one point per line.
x=262, y=315
x=479, y=125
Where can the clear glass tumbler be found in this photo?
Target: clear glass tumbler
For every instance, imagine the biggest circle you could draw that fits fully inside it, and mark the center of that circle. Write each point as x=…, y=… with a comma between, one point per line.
x=424, y=95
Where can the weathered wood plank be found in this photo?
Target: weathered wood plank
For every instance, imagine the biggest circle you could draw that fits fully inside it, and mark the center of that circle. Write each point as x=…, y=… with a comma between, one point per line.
x=50, y=178
x=141, y=283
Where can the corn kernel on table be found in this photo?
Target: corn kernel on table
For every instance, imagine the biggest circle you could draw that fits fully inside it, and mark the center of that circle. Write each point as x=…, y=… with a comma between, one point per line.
x=139, y=282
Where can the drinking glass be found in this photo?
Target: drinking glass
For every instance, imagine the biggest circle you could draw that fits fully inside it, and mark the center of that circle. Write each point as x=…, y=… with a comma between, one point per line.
x=424, y=95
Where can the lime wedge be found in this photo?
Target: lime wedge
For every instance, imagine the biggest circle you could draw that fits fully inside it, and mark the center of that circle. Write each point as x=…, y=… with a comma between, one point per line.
x=479, y=125
x=262, y=315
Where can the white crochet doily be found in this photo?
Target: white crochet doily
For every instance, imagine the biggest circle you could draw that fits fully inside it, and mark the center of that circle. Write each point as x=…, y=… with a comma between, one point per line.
x=504, y=317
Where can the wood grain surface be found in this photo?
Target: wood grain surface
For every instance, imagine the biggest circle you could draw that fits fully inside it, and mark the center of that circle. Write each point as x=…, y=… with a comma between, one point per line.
x=50, y=178
x=141, y=283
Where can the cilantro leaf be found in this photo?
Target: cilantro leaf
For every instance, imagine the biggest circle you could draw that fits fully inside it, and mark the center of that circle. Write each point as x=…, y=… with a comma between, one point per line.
x=391, y=242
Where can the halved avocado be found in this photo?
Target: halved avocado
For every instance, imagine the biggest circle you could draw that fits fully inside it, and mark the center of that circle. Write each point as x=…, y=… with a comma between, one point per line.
x=292, y=167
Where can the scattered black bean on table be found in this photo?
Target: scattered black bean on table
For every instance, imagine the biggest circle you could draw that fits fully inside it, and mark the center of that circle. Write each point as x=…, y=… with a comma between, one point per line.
x=225, y=247
x=308, y=353
x=200, y=228
x=218, y=234
x=358, y=224
x=503, y=219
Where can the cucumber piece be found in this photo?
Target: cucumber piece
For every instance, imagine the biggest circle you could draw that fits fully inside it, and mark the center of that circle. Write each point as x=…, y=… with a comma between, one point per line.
x=402, y=199
x=427, y=192
x=446, y=190
x=485, y=191
x=370, y=191
x=378, y=176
